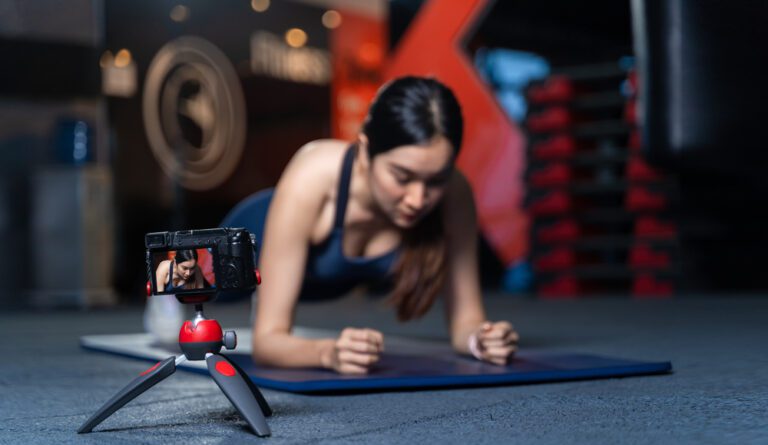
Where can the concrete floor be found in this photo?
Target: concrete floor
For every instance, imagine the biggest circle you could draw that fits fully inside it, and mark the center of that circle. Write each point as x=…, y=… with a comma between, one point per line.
x=717, y=394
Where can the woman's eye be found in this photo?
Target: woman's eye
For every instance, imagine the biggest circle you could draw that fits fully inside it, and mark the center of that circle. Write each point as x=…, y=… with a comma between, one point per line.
x=402, y=179
x=437, y=182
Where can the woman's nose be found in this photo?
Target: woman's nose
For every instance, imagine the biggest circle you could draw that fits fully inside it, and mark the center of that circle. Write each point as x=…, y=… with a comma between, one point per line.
x=415, y=195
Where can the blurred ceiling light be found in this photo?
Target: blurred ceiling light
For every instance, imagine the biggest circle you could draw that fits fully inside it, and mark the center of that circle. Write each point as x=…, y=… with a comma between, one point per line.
x=260, y=5
x=296, y=37
x=123, y=58
x=179, y=13
x=331, y=19
x=106, y=59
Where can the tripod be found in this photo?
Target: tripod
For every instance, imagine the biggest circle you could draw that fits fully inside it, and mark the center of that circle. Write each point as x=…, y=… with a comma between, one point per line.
x=199, y=339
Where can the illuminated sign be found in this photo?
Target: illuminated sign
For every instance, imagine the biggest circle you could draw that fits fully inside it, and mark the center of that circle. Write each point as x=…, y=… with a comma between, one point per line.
x=272, y=57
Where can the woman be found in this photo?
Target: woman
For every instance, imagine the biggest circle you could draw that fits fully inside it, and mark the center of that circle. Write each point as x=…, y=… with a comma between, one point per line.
x=182, y=272
x=164, y=314
x=391, y=206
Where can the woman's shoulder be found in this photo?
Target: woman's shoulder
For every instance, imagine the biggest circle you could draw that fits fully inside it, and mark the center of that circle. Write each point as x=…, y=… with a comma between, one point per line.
x=163, y=266
x=317, y=163
x=322, y=152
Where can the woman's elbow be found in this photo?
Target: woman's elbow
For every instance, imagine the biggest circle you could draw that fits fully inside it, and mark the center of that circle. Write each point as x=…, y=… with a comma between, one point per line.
x=258, y=358
x=260, y=350
x=257, y=350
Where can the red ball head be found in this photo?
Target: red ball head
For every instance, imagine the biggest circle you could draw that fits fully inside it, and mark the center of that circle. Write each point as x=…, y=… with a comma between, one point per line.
x=205, y=331
x=197, y=341
x=149, y=289
x=258, y=276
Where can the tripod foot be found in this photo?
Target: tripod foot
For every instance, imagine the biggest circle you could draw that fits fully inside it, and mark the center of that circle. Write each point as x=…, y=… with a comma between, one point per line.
x=143, y=382
x=239, y=390
x=265, y=408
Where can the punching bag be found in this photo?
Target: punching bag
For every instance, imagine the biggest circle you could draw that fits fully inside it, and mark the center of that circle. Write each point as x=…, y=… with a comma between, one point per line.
x=703, y=100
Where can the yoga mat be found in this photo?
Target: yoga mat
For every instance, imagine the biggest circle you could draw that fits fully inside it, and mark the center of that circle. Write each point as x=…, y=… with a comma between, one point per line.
x=406, y=364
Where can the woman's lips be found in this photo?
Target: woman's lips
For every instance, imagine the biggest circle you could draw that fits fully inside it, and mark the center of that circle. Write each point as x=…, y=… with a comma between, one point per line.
x=409, y=216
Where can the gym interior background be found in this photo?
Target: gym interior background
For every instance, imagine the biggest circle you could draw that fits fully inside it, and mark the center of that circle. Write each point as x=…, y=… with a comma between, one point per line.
x=620, y=156
x=614, y=147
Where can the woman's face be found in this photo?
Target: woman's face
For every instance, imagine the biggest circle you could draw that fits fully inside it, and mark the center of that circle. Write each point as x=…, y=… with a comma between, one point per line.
x=408, y=181
x=186, y=269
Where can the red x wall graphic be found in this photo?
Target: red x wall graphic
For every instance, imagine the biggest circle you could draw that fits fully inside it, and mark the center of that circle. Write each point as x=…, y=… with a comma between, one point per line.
x=492, y=155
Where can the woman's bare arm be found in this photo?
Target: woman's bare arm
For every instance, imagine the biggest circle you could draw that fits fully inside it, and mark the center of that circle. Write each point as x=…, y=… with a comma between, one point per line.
x=492, y=341
x=464, y=306
x=293, y=212
x=161, y=275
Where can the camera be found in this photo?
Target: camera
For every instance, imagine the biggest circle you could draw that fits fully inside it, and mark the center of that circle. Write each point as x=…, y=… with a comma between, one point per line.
x=196, y=265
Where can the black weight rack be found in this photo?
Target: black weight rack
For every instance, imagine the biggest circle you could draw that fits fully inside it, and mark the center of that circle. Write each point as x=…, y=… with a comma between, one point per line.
x=601, y=217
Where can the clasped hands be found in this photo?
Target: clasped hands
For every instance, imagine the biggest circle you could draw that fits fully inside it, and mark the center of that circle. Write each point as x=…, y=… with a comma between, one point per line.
x=355, y=351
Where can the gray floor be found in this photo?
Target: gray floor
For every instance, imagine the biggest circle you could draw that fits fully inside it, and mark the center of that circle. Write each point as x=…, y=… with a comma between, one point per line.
x=717, y=394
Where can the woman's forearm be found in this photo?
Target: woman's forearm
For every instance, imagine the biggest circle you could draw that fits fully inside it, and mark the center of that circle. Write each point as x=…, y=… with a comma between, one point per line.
x=460, y=335
x=288, y=351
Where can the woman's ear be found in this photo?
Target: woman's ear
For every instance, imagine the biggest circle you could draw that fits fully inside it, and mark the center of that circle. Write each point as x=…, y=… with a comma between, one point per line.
x=362, y=151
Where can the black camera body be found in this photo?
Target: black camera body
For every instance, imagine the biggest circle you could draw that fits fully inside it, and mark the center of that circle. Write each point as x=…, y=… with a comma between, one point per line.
x=229, y=252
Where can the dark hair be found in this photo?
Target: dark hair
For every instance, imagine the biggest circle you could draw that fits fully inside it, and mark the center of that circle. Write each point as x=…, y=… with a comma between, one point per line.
x=413, y=111
x=185, y=255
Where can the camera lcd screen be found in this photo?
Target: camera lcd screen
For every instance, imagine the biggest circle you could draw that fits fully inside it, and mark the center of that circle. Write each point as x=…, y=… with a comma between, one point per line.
x=183, y=271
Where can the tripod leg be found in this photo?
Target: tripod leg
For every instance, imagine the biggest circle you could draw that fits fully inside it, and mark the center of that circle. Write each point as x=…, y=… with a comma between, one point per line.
x=234, y=386
x=265, y=408
x=143, y=382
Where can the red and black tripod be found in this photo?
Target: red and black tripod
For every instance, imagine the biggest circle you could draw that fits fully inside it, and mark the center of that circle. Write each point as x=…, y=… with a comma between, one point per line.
x=199, y=339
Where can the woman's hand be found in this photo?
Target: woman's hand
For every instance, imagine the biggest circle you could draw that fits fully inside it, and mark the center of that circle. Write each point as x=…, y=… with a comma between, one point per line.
x=494, y=342
x=355, y=351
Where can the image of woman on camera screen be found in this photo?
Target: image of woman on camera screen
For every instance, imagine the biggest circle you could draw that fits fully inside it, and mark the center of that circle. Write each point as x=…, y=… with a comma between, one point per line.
x=181, y=272
x=388, y=208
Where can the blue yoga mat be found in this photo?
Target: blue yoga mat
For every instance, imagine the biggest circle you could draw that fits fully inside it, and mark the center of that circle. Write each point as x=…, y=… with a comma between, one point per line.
x=405, y=365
